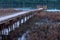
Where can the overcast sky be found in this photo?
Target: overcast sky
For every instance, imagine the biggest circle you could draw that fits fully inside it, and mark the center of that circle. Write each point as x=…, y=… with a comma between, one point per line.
x=52, y=0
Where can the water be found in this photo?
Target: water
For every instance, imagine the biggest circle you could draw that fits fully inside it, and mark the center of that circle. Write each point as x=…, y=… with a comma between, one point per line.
x=23, y=36
x=28, y=8
x=48, y=9
x=53, y=10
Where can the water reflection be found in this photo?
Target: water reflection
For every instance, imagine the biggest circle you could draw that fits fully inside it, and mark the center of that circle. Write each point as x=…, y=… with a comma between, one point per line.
x=53, y=10
x=5, y=31
x=25, y=19
x=21, y=20
x=23, y=36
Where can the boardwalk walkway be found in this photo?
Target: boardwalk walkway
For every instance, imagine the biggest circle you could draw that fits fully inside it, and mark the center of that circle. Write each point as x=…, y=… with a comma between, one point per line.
x=13, y=15
x=10, y=23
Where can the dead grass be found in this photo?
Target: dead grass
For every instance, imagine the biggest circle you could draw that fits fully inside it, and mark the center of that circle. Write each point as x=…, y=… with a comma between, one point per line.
x=46, y=31
x=54, y=16
x=8, y=11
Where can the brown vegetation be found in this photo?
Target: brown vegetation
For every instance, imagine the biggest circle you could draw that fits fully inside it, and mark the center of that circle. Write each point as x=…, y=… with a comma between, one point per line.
x=54, y=16
x=8, y=11
x=45, y=32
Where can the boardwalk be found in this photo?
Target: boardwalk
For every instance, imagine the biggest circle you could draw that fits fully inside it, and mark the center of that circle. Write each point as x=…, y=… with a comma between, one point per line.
x=13, y=20
x=16, y=14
